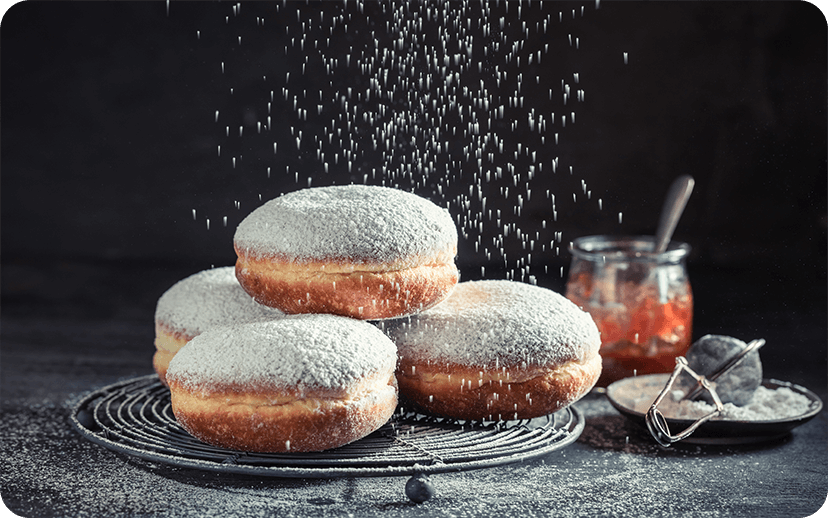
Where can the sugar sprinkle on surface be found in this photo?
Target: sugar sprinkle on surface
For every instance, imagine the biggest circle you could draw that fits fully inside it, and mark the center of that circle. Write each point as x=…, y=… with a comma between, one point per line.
x=315, y=351
x=360, y=223
x=209, y=299
x=494, y=322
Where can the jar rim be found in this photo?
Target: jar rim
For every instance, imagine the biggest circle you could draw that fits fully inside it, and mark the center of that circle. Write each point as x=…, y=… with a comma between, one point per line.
x=609, y=248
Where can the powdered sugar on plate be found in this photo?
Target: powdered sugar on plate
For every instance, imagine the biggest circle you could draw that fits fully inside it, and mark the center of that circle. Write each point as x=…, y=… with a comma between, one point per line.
x=322, y=351
x=209, y=299
x=767, y=403
x=356, y=223
x=496, y=322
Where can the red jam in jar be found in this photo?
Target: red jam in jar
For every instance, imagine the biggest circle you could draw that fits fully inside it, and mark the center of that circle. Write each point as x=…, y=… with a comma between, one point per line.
x=641, y=302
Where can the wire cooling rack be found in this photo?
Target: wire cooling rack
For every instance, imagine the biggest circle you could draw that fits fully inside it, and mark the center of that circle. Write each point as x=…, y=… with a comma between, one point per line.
x=134, y=416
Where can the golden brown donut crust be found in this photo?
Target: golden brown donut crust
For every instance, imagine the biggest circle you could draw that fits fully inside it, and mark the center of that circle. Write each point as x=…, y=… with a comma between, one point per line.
x=283, y=421
x=167, y=343
x=366, y=292
x=161, y=362
x=466, y=392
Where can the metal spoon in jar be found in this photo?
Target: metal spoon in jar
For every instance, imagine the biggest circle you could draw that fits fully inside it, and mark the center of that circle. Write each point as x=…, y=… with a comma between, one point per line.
x=674, y=204
x=671, y=212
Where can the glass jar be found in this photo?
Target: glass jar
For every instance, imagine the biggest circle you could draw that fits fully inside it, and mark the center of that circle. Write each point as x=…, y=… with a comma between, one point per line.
x=641, y=301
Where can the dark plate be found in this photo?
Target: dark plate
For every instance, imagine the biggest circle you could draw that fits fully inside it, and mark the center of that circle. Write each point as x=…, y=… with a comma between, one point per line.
x=714, y=431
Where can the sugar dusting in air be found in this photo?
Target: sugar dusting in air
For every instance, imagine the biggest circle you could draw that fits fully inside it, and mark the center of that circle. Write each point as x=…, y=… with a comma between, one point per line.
x=468, y=104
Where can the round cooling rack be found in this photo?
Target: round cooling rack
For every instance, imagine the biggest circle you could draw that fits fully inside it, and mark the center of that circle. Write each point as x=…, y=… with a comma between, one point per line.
x=134, y=417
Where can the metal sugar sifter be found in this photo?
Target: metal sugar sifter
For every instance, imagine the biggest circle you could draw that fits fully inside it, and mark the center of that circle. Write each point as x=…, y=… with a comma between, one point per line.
x=657, y=423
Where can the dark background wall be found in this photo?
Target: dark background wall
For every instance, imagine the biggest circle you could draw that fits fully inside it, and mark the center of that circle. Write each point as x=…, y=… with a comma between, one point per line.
x=110, y=140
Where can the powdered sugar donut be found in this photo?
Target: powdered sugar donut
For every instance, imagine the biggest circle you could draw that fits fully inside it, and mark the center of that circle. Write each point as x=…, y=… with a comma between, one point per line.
x=300, y=383
x=206, y=299
x=362, y=251
x=497, y=350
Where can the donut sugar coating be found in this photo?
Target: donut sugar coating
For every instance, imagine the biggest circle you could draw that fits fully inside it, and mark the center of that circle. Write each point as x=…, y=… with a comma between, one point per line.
x=361, y=251
x=199, y=302
x=300, y=383
x=708, y=354
x=496, y=350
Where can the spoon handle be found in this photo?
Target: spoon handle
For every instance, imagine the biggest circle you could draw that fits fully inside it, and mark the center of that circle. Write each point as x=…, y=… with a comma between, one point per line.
x=674, y=205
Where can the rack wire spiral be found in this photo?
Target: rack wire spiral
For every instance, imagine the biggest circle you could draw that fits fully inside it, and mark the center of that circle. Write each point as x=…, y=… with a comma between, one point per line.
x=134, y=416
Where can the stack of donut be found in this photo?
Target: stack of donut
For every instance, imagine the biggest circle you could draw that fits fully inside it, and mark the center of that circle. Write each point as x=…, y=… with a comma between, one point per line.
x=289, y=354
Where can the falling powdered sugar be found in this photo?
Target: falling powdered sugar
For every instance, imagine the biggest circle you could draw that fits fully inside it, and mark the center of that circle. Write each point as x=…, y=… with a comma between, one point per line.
x=314, y=351
x=209, y=299
x=352, y=223
x=496, y=323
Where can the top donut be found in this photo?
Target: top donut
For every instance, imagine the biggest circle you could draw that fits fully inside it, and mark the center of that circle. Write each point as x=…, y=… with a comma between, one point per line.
x=349, y=224
x=366, y=252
